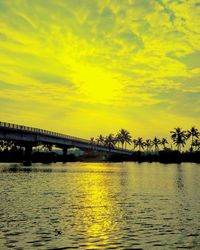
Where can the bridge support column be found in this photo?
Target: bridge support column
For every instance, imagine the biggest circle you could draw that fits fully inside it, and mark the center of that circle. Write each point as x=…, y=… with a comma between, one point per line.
x=27, y=156
x=64, y=154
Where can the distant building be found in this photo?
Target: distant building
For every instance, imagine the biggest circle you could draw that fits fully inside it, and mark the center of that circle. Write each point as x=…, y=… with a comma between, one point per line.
x=70, y=151
x=75, y=151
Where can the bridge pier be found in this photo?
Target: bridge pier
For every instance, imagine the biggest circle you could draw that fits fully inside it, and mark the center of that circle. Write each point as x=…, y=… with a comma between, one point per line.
x=27, y=155
x=65, y=154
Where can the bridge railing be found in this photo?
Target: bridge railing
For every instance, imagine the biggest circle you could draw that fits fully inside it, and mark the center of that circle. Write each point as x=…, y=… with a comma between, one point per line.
x=40, y=131
x=60, y=135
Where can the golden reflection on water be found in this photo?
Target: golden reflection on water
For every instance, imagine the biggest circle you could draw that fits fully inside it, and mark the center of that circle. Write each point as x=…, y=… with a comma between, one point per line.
x=97, y=213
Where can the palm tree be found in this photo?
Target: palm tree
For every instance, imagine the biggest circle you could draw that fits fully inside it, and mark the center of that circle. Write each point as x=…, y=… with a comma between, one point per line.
x=155, y=143
x=138, y=143
x=124, y=137
x=193, y=132
x=134, y=141
x=110, y=141
x=196, y=144
x=179, y=137
x=148, y=144
x=118, y=139
x=100, y=140
x=164, y=142
x=92, y=141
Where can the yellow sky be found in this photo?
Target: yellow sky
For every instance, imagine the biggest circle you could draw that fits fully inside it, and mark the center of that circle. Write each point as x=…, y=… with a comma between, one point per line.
x=84, y=67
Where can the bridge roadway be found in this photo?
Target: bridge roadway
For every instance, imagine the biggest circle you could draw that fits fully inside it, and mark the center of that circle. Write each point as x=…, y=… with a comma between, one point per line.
x=30, y=137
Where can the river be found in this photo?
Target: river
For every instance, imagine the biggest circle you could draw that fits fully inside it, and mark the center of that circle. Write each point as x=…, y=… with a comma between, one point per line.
x=100, y=206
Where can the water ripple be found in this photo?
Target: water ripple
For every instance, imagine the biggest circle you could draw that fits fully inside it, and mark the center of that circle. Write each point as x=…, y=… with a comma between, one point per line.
x=100, y=206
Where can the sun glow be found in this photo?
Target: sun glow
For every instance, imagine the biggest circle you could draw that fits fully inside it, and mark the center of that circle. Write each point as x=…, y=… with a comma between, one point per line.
x=64, y=64
x=97, y=85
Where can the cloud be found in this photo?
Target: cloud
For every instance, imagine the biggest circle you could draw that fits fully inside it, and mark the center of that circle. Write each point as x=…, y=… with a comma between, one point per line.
x=191, y=60
x=82, y=60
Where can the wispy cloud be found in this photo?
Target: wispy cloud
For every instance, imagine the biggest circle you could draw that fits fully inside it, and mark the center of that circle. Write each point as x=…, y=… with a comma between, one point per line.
x=99, y=62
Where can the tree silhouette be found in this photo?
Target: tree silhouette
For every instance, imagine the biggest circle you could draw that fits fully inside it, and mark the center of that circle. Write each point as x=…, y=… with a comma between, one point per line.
x=179, y=137
x=124, y=137
x=148, y=144
x=110, y=141
x=196, y=144
x=118, y=139
x=155, y=143
x=139, y=143
x=164, y=142
x=193, y=132
x=92, y=142
x=100, y=140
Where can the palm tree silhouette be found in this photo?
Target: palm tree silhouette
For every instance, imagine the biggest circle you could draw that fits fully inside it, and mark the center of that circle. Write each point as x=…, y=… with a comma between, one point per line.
x=148, y=144
x=196, y=144
x=100, y=140
x=110, y=141
x=164, y=142
x=155, y=143
x=193, y=132
x=179, y=137
x=134, y=141
x=139, y=143
x=124, y=137
x=118, y=139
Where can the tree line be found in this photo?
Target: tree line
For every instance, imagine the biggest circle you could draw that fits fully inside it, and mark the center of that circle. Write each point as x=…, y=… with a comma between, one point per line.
x=123, y=138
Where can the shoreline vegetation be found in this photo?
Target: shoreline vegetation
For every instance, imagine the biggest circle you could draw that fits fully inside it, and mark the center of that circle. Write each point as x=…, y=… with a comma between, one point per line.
x=161, y=157
x=143, y=150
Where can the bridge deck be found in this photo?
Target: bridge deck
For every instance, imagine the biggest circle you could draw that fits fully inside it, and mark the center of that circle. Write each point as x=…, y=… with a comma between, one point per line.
x=10, y=131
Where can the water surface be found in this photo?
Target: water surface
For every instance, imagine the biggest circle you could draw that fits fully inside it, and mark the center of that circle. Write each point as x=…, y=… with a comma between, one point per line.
x=100, y=206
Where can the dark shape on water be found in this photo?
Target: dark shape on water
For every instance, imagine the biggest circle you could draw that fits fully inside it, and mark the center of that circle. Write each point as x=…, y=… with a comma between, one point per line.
x=27, y=163
x=58, y=232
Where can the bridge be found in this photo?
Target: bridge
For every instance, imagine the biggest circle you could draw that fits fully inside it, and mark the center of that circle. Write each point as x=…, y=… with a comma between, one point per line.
x=30, y=137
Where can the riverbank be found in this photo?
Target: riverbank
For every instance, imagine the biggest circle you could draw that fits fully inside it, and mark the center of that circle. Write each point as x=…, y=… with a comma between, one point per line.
x=161, y=156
